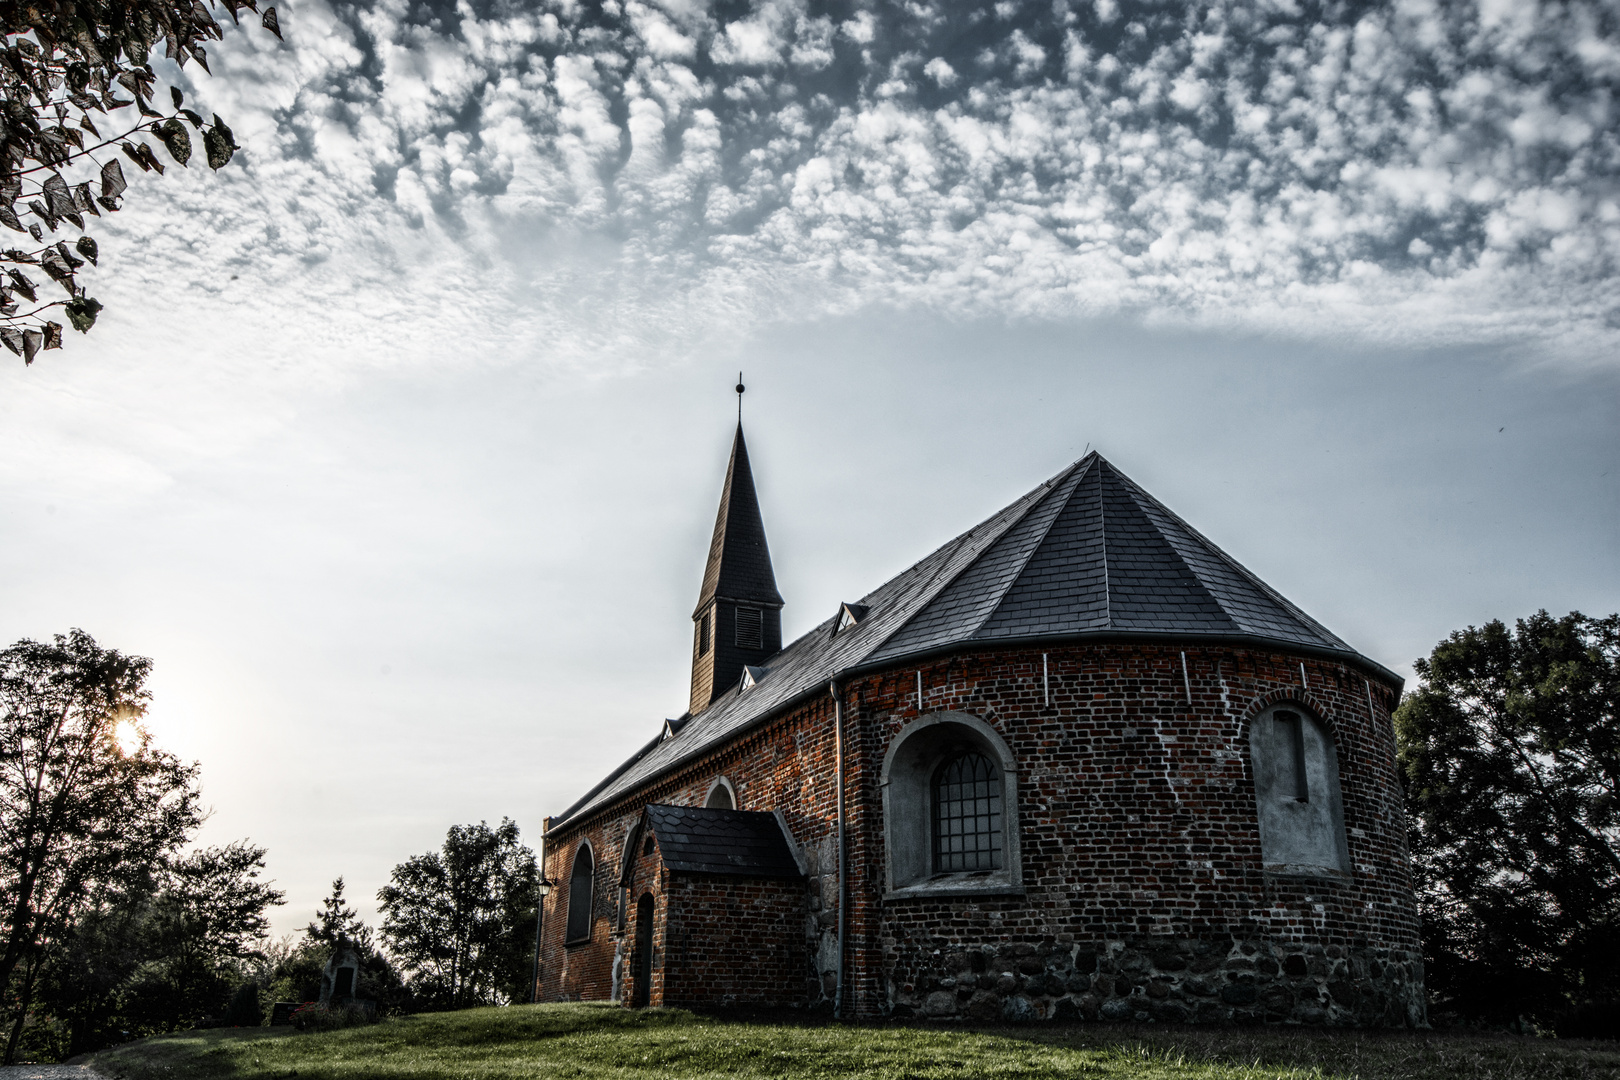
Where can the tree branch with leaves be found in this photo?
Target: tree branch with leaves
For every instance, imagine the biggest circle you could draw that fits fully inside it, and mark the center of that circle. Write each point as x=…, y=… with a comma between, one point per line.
x=64, y=64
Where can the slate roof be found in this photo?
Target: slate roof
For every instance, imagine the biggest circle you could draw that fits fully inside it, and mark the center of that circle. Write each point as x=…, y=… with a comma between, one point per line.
x=1086, y=554
x=739, y=566
x=700, y=840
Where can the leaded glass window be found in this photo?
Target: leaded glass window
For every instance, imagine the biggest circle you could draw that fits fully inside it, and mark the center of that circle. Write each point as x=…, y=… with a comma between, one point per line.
x=967, y=815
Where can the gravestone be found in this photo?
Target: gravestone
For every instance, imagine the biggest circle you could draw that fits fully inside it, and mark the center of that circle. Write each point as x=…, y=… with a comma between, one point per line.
x=341, y=973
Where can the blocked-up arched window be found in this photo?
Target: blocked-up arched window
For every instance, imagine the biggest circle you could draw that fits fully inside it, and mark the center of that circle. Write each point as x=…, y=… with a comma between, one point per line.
x=579, y=894
x=967, y=814
x=722, y=796
x=1296, y=791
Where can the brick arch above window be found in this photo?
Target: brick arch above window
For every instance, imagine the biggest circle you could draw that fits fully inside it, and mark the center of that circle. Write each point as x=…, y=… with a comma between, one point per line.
x=722, y=794
x=1300, y=806
x=911, y=767
x=1279, y=695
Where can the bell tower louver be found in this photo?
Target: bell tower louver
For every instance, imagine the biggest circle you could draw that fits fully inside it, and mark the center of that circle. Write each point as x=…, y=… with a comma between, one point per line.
x=738, y=619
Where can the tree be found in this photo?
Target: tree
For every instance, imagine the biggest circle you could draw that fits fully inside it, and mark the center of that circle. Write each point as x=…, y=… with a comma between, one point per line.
x=63, y=60
x=296, y=975
x=460, y=920
x=80, y=817
x=203, y=927
x=162, y=957
x=1510, y=748
x=337, y=921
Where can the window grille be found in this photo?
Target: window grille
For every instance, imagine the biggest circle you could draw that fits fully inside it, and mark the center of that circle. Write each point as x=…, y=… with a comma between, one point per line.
x=703, y=635
x=967, y=815
x=579, y=896
x=750, y=628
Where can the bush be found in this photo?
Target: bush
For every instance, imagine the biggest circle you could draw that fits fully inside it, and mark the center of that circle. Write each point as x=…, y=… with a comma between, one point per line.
x=319, y=1016
x=244, y=1009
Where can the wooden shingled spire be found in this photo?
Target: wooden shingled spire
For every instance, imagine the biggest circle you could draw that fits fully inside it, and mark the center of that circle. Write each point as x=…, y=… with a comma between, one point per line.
x=738, y=619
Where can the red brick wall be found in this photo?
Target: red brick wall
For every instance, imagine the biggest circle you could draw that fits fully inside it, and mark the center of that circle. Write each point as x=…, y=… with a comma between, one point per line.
x=647, y=877
x=1139, y=838
x=734, y=941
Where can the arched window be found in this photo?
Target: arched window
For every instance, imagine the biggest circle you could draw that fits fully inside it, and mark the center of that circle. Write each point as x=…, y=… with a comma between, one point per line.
x=967, y=815
x=1296, y=791
x=950, y=810
x=579, y=895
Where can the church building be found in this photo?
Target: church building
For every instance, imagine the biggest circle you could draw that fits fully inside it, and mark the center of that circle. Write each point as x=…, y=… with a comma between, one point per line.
x=1076, y=763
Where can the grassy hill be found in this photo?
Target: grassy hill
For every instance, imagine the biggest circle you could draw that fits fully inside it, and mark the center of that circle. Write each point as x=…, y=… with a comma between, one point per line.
x=592, y=1041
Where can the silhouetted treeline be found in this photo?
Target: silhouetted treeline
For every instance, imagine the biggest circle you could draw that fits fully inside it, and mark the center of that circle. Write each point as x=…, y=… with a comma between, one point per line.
x=1510, y=750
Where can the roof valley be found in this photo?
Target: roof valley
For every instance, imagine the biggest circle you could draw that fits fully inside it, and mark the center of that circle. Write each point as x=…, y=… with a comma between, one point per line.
x=1059, y=490
x=1155, y=584
x=1102, y=528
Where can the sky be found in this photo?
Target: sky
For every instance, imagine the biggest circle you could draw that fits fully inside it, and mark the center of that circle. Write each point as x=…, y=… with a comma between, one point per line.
x=399, y=443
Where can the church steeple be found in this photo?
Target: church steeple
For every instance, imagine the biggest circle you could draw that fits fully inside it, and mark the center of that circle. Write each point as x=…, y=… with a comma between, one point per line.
x=738, y=619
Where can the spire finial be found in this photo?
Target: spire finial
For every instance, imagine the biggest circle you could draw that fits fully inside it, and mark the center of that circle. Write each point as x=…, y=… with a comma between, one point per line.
x=740, y=389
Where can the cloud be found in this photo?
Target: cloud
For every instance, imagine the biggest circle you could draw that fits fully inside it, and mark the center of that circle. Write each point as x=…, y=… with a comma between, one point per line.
x=585, y=185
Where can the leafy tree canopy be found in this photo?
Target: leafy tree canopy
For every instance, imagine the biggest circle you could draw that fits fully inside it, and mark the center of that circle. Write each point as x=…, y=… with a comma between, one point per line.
x=70, y=71
x=1510, y=748
x=162, y=955
x=80, y=815
x=460, y=920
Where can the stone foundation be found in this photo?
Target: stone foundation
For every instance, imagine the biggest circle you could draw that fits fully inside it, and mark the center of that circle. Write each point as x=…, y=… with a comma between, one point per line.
x=1198, y=980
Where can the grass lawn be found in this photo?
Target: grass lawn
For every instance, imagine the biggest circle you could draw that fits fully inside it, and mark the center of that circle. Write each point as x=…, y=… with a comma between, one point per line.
x=591, y=1041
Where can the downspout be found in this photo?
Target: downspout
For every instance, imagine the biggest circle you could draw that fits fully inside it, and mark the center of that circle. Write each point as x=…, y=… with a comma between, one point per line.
x=838, y=765
x=539, y=915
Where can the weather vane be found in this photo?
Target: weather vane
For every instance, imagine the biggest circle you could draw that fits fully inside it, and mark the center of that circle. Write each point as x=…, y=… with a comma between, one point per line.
x=740, y=389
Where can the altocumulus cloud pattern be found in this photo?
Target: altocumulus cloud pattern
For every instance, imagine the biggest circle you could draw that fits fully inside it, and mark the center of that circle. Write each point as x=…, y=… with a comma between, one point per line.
x=583, y=173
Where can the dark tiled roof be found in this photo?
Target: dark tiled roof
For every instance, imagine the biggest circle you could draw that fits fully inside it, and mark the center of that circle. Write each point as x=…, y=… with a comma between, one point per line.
x=1086, y=553
x=699, y=840
x=739, y=566
x=1100, y=555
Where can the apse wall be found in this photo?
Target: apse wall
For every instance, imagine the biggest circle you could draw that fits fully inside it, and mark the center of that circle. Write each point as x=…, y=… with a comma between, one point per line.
x=1143, y=888
x=1137, y=885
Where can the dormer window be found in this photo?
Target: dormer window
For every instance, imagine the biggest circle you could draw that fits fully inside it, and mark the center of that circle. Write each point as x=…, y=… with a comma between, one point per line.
x=752, y=676
x=750, y=628
x=849, y=615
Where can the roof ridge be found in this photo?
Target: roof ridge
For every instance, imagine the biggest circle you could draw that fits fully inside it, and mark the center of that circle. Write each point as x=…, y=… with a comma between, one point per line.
x=630, y=763
x=1035, y=547
x=1131, y=491
x=1050, y=485
x=1102, y=540
x=1247, y=574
